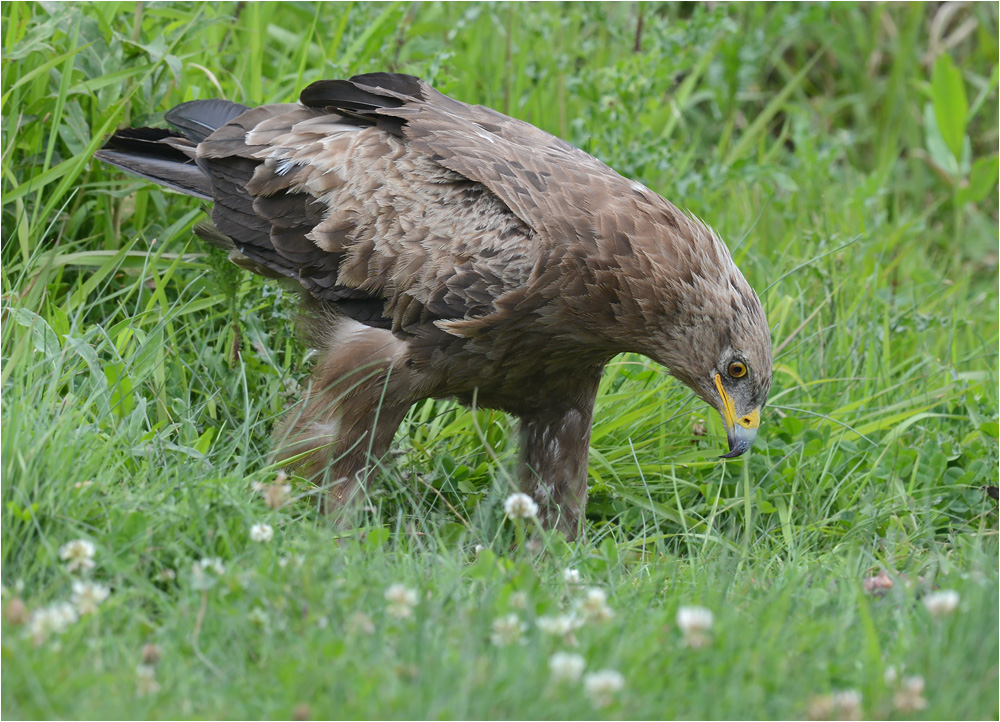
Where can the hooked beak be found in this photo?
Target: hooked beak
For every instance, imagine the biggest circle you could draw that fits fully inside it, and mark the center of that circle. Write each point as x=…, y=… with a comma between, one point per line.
x=741, y=431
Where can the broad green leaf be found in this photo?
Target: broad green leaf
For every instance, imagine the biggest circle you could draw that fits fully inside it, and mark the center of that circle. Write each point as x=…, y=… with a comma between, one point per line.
x=951, y=107
x=982, y=178
x=122, y=400
x=937, y=148
x=44, y=337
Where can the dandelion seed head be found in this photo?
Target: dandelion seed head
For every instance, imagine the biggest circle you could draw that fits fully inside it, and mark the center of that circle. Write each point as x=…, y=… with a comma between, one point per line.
x=520, y=506
x=566, y=667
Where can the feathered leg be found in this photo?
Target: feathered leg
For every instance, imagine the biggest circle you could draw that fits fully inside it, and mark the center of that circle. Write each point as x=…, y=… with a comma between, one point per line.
x=555, y=446
x=356, y=398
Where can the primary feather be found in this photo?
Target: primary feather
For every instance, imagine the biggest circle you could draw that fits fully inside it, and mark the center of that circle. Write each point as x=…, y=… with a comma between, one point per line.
x=451, y=251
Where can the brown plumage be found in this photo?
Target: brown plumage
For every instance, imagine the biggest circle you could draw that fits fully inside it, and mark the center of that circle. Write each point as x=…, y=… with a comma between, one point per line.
x=447, y=250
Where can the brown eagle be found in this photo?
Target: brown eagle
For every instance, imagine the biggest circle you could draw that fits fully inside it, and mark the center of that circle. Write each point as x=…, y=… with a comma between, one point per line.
x=447, y=250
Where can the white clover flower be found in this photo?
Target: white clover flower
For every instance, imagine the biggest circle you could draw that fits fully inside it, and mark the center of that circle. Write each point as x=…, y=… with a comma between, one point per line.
x=695, y=623
x=276, y=494
x=401, y=594
x=87, y=596
x=258, y=616
x=205, y=573
x=65, y=614
x=507, y=630
x=942, y=603
x=39, y=626
x=571, y=576
x=213, y=564
x=50, y=620
x=594, y=605
x=842, y=705
x=361, y=622
x=558, y=626
x=78, y=555
x=261, y=533
x=566, y=667
x=695, y=619
x=519, y=600
x=847, y=704
x=146, y=680
x=401, y=600
x=595, y=596
x=520, y=506
x=910, y=696
x=602, y=686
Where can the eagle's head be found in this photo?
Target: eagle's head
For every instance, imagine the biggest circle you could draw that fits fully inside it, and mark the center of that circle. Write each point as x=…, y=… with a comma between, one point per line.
x=715, y=338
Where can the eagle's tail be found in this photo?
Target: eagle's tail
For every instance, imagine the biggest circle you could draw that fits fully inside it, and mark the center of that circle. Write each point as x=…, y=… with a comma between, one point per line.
x=167, y=157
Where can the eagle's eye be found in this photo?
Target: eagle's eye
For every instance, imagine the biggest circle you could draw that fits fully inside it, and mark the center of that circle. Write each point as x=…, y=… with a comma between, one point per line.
x=737, y=369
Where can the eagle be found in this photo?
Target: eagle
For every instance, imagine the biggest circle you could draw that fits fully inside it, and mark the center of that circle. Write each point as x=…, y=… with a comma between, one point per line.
x=445, y=250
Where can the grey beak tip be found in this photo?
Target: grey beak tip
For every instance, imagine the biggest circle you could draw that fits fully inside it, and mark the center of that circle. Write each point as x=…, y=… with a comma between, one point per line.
x=740, y=441
x=737, y=449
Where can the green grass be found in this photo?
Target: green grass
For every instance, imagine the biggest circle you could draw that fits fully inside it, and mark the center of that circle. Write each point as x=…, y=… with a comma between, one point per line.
x=848, y=155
